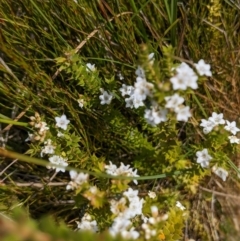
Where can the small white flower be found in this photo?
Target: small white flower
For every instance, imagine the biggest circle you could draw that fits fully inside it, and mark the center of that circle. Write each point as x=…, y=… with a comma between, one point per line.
x=152, y=194
x=131, y=234
x=154, y=211
x=111, y=169
x=129, y=102
x=151, y=58
x=117, y=207
x=135, y=207
x=173, y=101
x=203, y=68
x=140, y=72
x=124, y=90
x=155, y=115
x=30, y=137
x=179, y=205
x=231, y=126
x=203, y=157
x=62, y=122
x=142, y=88
x=120, y=76
x=77, y=179
x=42, y=127
x=105, y=97
x=131, y=194
x=48, y=148
x=130, y=90
x=60, y=134
x=58, y=160
x=80, y=102
x=90, y=67
x=207, y=126
x=184, y=78
x=87, y=223
x=222, y=173
x=234, y=139
x=217, y=119
x=183, y=113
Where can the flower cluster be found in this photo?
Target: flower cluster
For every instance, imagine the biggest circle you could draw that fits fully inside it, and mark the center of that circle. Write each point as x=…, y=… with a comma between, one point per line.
x=48, y=148
x=77, y=179
x=150, y=224
x=123, y=170
x=139, y=93
x=122, y=223
x=87, y=223
x=40, y=127
x=217, y=119
x=59, y=161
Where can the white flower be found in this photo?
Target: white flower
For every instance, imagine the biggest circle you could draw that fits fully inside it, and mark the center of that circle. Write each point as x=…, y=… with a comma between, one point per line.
x=77, y=179
x=142, y=88
x=62, y=122
x=134, y=101
x=140, y=72
x=58, y=160
x=120, y=76
x=135, y=207
x=222, y=173
x=131, y=194
x=122, y=170
x=231, y=126
x=111, y=169
x=203, y=68
x=80, y=102
x=155, y=115
x=183, y=113
x=129, y=102
x=173, y=101
x=60, y=134
x=106, y=97
x=207, y=126
x=48, y=148
x=117, y=207
x=184, y=78
x=30, y=137
x=120, y=223
x=234, y=139
x=130, y=90
x=90, y=67
x=131, y=234
x=151, y=58
x=154, y=211
x=179, y=205
x=124, y=90
x=217, y=119
x=42, y=127
x=87, y=223
x=152, y=194
x=203, y=157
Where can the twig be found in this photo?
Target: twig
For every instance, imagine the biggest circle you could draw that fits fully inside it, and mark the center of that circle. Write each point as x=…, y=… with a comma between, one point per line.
x=16, y=119
x=7, y=167
x=36, y=184
x=219, y=193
